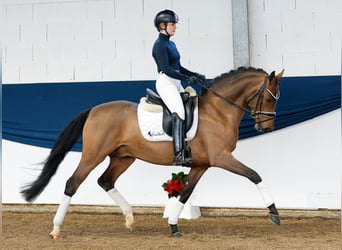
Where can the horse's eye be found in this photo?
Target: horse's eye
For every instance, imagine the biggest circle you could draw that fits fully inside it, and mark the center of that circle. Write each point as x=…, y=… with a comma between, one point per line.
x=269, y=100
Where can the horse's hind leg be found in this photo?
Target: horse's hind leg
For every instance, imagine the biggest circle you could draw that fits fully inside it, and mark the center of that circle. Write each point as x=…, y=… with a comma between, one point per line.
x=82, y=171
x=233, y=165
x=107, y=181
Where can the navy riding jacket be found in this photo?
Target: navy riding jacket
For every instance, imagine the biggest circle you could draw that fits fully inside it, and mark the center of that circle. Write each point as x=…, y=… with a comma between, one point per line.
x=167, y=58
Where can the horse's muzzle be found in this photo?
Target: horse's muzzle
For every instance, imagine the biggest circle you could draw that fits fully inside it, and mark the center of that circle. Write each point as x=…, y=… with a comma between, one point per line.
x=263, y=129
x=268, y=129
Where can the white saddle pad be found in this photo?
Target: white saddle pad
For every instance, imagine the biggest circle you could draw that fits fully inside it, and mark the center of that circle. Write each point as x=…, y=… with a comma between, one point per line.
x=150, y=119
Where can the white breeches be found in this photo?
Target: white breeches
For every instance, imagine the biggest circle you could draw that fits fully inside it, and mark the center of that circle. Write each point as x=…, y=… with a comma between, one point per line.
x=169, y=89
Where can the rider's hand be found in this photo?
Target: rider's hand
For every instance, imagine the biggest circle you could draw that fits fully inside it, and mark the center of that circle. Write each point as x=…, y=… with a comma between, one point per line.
x=201, y=77
x=192, y=79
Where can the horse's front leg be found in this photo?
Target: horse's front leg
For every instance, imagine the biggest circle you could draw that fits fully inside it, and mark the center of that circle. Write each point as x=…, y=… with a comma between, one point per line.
x=228, y=162
x=193, y=178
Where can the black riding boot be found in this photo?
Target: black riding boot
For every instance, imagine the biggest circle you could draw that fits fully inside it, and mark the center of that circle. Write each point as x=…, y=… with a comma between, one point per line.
x=178, y=133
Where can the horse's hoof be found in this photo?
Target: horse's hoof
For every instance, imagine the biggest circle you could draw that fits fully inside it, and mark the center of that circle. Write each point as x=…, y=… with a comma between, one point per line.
x=176, y=235
x=54, y=235
x=275, y=218
x=130, y=227
x=130, y=223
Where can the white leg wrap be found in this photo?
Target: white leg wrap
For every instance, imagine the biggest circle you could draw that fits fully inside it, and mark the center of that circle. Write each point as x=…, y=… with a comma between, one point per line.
x=265, y=194
x=122, y=203
x=61, y=211
x=175, y=212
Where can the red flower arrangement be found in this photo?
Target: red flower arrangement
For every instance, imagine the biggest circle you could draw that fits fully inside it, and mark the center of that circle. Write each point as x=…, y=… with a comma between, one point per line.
x=174, y=186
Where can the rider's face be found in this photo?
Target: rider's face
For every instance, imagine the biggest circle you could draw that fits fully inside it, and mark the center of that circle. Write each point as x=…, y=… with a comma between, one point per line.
x=169, y=28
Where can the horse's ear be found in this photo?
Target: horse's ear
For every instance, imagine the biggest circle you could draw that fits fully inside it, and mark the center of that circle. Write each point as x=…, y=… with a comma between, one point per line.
x=280, y=75
x=271, y=76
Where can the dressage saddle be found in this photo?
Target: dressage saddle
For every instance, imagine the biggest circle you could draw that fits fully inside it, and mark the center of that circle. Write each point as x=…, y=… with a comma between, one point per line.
x=189, y=106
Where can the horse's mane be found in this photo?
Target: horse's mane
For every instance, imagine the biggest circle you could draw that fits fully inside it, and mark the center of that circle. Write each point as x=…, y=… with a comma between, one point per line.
x=233, y=73
x=238, y=71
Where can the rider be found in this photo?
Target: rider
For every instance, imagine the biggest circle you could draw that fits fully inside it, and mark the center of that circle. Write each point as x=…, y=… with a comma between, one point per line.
x=168, y=83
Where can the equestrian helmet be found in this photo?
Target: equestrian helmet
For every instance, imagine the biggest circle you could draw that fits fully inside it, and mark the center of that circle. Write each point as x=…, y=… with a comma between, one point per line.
x=165, y=16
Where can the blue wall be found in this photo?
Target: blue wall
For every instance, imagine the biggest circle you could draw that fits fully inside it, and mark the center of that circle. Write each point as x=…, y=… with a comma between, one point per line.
x=34, y=114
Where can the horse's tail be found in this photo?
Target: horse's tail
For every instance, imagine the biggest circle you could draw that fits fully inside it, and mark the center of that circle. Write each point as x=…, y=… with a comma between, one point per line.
x=65, y=141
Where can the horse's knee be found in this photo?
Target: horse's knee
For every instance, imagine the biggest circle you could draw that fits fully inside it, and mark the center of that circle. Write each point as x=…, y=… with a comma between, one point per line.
x=105, y=182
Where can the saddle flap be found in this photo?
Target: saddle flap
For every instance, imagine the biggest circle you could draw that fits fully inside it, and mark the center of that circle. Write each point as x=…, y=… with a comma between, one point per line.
x=153, y=97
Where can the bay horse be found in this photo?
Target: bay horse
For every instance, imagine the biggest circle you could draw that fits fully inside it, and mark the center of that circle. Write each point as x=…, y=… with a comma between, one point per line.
x=111, y=129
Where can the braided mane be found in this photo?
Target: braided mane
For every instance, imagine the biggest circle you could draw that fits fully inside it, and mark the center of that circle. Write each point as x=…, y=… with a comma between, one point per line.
x=238, y=71
x=232, y=74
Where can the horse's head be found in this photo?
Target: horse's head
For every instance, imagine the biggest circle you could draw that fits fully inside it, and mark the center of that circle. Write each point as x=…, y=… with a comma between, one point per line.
x=263, y=103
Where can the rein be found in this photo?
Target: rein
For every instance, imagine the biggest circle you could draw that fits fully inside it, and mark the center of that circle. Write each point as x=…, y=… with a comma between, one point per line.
x=258, y=94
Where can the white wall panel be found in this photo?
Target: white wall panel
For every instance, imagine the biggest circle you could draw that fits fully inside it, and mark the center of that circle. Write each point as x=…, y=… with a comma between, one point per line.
x=313, y=42
x=88, y=70
x=100, y=10
x=101, y=50
x=118, y=70
x=273, y=6
x=60, y=30
x=86, y=31
x=334, y=4
x=328, y=20
x=281, y=42
x=18, y=52
x=309, y=31
x=18, y=14
x=129, y=10
x=142, y=68
x=297, y=21
x=269, y=61
x=267, y=22
x=101, y=32
x=72, y=52
x=33, y=32
x=11, y=33
x=54, y=52
x=311, y=4
x=31, y=71
x=300, y=63
x=129, y=48
x=59, y=11
x=286, y=27
x=10, y=71
x=334, y=59
x=59, y=72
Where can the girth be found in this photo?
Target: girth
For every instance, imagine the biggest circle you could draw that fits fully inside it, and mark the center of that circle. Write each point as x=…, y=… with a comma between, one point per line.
x=189, y=106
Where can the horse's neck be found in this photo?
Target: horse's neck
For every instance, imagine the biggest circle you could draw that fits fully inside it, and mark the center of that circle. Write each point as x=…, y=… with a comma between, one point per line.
x=220, y=107
x=240, y=89
x=230, y=99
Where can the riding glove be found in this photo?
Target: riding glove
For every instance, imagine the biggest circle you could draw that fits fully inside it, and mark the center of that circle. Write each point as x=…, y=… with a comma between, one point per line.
x=192, y=79
x=201, y=77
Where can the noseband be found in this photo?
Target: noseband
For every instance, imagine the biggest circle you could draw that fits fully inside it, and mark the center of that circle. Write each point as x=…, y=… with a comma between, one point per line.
x=259, y=94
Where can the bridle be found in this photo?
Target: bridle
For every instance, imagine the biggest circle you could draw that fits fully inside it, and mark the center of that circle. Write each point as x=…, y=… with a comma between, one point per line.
x=254, y=113
x=260, y=94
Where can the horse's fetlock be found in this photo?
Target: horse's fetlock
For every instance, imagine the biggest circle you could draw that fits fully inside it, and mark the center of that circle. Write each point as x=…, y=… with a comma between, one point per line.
x=70, y=187
x=255, y=177
x=105, y=183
